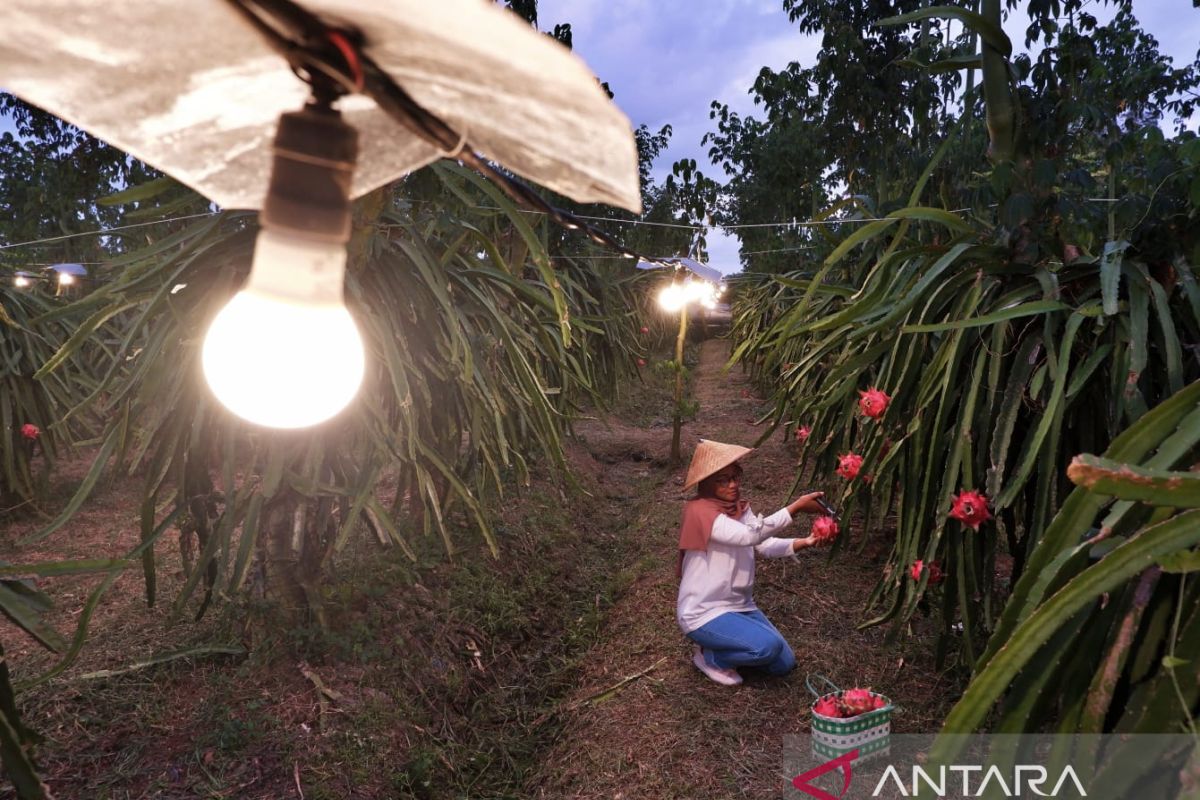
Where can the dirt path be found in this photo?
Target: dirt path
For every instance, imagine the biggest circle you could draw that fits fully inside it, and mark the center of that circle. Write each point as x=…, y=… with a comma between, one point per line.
x=671, y=733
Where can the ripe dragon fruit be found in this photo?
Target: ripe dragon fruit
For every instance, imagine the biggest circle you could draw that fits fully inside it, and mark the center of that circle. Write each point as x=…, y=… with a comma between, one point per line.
x=873, y=402
x=827, y=707
x=880, y=702
x=849, y=465
x=919, y=568
x=857, y=701
x=645, y=329
x=971, y=509
x=825, y=529
x=30, y=431
x=641, y=362
x=803, y=432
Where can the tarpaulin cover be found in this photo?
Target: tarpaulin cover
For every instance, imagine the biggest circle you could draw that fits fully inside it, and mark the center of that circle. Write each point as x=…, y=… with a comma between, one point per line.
x=192, y=89
x=695, y=267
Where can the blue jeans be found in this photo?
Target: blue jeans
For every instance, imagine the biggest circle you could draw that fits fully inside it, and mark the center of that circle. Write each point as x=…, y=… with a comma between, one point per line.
x=744, y=639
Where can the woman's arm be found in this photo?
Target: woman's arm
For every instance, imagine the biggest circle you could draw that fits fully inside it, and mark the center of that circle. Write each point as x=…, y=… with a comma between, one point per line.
x=806, y=503
x=778, y=548
x=752, y=530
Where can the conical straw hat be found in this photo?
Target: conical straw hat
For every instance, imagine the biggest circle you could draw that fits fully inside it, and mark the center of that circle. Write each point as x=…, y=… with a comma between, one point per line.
x=710, y=458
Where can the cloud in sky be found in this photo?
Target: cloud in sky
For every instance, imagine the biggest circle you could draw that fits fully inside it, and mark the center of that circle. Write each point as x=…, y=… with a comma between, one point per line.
x=666, y=61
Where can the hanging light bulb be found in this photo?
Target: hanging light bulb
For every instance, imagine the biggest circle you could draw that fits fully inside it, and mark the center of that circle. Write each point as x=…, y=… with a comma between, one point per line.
x=285, y=352
x=21, y=281
x=673, y=297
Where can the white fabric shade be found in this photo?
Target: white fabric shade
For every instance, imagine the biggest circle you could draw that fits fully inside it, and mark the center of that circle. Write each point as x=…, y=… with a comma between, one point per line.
x=695, y=267
x=192, y=89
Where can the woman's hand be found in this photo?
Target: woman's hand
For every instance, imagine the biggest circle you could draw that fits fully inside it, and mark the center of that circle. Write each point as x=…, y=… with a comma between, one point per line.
x=806, y=503
x=800, y=544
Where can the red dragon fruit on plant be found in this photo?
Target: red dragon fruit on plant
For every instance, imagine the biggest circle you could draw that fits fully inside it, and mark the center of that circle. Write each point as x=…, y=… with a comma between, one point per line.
x=30, y=431
x=849, y=465
x=824, y=529
x=857, y=701
x=803, y=432
x=873, y=402
x=645, y=329
x=641, y=362
x=971, y=509
x=919, y=568
x=827, y=707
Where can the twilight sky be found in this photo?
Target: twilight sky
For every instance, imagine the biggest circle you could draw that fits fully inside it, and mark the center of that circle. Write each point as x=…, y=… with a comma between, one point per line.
x=667, y=60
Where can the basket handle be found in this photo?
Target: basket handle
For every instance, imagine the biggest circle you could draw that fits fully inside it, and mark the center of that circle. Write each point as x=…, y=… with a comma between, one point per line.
x=808, y=682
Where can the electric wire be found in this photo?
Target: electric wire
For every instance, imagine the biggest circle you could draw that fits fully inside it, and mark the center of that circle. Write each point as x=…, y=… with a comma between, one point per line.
x=105, y=231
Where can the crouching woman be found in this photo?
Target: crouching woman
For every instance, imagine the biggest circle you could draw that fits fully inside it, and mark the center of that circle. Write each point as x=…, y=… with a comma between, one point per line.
x=718, y=541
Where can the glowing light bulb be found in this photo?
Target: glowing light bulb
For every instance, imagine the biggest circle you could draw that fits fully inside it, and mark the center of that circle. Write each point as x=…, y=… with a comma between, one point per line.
x=285, y=352
x=673, y=297
x=21, y=282
x=65, y=279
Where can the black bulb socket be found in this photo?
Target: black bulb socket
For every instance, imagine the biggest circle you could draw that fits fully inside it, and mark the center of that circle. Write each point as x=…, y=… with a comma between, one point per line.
x=315, y=152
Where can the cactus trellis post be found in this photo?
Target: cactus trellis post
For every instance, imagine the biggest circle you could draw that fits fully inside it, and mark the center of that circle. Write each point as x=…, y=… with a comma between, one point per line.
x=677, y=420
x=677, y=296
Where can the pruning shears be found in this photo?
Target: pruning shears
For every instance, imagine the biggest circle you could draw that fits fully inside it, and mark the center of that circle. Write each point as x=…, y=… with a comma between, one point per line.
x=825, y=506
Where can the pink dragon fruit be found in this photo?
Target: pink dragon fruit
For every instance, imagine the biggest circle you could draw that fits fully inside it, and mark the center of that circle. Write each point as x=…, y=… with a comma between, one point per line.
x=849, y=465
x=873, y=402
x=971, y=509
x=827, y=707
x=824, y=529
x=803, y=432
x=857, y=701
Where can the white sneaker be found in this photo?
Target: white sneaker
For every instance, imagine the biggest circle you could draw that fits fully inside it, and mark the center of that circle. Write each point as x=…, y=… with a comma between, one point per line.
x=725, y=677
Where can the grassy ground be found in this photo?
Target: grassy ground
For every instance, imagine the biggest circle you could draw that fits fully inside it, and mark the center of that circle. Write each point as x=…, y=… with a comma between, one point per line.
x=478, y=678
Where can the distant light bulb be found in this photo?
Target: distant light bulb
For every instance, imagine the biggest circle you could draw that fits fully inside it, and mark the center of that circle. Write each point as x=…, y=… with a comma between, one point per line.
x=285, y=352
x=673, y=297
x=21, y=282
x=65, y=279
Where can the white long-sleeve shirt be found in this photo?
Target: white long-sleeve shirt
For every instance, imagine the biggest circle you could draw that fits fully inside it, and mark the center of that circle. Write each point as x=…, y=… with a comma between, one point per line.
x=721, y=579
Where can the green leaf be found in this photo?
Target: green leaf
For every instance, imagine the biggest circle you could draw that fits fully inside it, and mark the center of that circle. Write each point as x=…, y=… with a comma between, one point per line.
x=1132, y=482
x=865, y=233
x=85, y=489
x=1022, y=310
x=990, y=32
x=1119, y=566
x=199, y=651
x=142, y=191
x=26, y=615
x=1176, y=563
x=1110, y=274
x=50, y=569
x=937, y=215
x=18, y=766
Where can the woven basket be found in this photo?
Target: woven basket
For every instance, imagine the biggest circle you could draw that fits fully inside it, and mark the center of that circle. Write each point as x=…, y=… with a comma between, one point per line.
x=868, y=733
